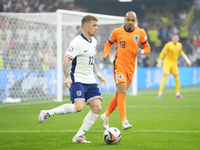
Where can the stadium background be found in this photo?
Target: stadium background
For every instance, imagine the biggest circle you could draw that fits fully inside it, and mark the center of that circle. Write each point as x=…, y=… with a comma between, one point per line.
x=164, y=16
x=158, y=124
x=160, y=19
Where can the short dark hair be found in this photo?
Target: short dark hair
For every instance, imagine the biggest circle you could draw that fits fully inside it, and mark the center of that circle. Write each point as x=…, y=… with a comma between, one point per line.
x=88, y=18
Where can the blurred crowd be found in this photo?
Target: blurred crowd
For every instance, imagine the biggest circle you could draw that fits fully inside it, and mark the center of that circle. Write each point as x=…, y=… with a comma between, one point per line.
x=20, y=42
x=27, y=6
x=26, y=45
x=194, y=41
x=160, y=29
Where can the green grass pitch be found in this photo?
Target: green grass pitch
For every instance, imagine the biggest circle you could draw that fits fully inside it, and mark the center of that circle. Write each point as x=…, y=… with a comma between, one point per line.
x=158, y=124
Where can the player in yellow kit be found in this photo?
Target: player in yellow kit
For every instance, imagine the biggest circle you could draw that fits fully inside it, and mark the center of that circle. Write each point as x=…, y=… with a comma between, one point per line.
x=171, y=51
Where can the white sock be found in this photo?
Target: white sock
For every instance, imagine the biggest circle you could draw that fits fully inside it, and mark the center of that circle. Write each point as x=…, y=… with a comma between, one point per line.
x=124, y=122
x=87, y=123
x=105, y=116
x=63, y=109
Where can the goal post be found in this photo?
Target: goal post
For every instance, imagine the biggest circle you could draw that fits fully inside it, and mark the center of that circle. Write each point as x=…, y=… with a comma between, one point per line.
x=59, y=56
x=134, y=90
x=102, y=20
x=32, y=48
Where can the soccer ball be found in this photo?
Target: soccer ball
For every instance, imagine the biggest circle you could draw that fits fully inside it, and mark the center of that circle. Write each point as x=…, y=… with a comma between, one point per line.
x=112, y=136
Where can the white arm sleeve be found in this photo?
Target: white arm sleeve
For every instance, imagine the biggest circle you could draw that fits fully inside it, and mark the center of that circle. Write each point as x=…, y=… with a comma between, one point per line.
x=187, y=60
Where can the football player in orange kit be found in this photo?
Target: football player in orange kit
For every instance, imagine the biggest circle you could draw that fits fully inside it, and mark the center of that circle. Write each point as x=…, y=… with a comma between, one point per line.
x=128, y=39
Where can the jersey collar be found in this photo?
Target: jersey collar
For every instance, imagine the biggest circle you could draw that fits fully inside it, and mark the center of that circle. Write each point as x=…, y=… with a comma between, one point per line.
x=129, y=31
x=86, y=38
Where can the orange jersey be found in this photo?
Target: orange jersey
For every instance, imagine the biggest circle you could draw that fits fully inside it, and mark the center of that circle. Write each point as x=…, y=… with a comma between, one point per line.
x=127, y=43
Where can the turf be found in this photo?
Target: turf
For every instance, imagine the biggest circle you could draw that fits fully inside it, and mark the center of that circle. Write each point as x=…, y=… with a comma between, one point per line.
x=158, y=124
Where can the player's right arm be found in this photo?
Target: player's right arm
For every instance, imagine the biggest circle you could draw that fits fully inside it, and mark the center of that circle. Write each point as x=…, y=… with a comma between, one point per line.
x=108, y=45
x=70, y=54
x=160, y=58
x=66, y=70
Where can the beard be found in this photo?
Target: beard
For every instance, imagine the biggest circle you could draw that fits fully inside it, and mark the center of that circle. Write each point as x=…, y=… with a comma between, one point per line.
x=129, y=29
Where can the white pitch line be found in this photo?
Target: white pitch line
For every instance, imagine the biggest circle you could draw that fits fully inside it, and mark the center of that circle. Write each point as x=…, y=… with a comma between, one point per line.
x=163, y=106
x=153, y=131
x=29, y=103
x=130, y=106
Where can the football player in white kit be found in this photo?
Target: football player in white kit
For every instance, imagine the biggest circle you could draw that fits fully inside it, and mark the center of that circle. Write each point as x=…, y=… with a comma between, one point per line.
x=80, y=79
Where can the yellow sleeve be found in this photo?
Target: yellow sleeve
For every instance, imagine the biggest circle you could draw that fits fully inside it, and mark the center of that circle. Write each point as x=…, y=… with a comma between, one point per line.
x=163, y=52
x=181, y=51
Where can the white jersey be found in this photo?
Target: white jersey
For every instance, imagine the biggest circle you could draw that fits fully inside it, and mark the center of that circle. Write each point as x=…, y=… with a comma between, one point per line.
x=82, y=52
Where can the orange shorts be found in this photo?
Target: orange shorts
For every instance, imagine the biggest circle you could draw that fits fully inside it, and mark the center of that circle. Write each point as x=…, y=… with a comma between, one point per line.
x=120, y=75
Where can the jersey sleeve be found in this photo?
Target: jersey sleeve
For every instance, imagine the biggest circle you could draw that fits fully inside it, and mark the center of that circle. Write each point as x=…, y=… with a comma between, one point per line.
x=72, y=50
x=144, y=42
x=181, y=52
x=143, y=35
x=163, y=52
x=107, y=47
x=108, y=44
x=112, y=38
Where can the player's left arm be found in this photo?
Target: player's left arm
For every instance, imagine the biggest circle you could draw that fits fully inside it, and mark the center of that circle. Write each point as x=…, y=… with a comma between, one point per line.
x=98, y=74
x=146, y=49
x=185, y=57
x=145, y=45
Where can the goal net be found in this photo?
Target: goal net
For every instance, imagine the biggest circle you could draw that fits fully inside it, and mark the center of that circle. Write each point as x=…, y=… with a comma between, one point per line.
x=32, y=48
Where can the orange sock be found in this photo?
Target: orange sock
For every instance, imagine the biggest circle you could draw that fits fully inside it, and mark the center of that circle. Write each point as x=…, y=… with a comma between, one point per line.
x=112, y=106
x=122, y=106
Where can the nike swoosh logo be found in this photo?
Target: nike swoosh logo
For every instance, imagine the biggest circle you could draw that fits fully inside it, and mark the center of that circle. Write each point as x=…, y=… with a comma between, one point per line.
x=85, y=51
